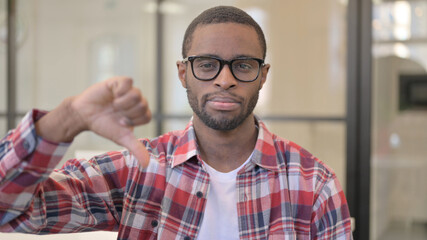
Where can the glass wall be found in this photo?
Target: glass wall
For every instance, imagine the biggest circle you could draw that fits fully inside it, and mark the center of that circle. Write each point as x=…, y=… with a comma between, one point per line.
x=399, y=124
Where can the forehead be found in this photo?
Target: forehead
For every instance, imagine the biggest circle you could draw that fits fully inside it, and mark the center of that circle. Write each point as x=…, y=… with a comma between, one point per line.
x=225, y=40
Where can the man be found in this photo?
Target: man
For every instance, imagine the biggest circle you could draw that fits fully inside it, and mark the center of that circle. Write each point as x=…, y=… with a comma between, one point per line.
x=224, y=177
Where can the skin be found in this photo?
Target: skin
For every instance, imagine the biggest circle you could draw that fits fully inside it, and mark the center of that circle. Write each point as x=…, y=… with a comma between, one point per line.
x=224, y=98
x=112, y=108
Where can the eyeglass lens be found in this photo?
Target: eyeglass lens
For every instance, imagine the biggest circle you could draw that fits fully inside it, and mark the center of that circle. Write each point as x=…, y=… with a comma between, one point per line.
x=206, y=68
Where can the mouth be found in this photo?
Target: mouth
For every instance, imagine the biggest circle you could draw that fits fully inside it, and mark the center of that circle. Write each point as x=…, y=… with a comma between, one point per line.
x=223, y=103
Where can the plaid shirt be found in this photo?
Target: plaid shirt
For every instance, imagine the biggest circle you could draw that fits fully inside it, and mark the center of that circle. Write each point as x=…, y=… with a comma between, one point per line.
x=282, y=193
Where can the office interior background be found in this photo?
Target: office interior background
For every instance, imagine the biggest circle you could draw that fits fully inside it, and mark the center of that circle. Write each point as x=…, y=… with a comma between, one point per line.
x=347, y=81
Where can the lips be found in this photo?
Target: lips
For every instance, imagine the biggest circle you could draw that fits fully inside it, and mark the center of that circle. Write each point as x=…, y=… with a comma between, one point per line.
x=223, y=103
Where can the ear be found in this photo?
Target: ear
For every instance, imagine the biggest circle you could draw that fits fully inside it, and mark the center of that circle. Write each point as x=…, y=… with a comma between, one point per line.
x=182, y=72
x=264, y=72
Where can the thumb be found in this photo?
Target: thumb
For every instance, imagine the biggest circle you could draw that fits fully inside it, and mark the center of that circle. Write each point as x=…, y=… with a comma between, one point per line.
x=136, y=148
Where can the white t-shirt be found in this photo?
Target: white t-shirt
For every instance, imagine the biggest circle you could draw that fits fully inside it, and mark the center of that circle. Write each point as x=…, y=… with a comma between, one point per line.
x=220, y=218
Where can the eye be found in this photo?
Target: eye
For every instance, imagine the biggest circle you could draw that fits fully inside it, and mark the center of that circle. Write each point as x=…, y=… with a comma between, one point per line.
x=244, y=65
x=206, y=64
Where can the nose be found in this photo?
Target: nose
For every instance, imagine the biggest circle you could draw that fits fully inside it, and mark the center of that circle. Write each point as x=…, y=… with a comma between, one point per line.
x=225, y=79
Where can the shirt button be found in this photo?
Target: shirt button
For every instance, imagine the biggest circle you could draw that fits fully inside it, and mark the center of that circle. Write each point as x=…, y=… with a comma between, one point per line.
x=154, y=223
x=26, y=145
x=199, y=194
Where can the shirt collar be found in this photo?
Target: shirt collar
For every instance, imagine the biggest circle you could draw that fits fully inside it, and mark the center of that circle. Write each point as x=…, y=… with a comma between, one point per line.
x=186, y=145
x=264, y=154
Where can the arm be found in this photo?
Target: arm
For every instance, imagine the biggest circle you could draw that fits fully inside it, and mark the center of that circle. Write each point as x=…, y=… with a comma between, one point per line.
x=28, y=154
x=33, y=199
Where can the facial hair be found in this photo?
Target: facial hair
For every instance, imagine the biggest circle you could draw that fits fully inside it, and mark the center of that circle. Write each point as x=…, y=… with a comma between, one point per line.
x=222, y=124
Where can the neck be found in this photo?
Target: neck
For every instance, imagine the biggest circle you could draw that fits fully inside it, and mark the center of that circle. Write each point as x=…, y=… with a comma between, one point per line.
x=226, y=150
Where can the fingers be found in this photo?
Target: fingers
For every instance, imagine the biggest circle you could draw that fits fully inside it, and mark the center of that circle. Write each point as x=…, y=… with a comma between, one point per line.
x=119, y=85
x=135, y=121
x=133, y=107
x=129, y=102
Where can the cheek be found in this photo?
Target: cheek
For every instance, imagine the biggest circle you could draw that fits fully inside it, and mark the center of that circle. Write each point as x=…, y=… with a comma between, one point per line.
x=197, y=87
x=193, y=93
x=254, y=91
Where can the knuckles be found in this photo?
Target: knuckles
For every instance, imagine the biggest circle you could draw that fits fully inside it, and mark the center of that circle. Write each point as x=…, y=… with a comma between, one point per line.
x=135, y=96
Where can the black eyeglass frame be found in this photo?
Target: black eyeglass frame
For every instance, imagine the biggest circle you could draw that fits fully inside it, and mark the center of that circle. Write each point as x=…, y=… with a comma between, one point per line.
x=223, y=62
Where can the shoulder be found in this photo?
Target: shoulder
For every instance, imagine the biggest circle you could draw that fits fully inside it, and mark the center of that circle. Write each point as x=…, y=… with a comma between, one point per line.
x=289, y=157
x=301, y=165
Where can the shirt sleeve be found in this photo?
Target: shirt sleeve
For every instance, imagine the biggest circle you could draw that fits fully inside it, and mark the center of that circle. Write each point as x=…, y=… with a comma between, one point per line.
x=36, y=199
x=331, y=217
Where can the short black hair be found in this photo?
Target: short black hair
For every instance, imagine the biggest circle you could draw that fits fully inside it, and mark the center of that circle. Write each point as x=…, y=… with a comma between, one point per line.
x=222, y=14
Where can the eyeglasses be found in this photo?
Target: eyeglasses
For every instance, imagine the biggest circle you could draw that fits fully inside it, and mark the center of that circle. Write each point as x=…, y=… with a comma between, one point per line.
x=206, y=68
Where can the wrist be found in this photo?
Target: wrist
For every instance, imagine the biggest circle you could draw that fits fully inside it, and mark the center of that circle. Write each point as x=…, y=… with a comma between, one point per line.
x=61, y=124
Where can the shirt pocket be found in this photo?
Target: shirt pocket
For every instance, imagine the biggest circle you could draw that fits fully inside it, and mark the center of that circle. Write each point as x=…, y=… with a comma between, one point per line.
x=139, y=224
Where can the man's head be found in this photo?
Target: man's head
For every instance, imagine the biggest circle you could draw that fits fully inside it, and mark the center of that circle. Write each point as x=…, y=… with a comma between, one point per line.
x=222, y=14
x=225, y=72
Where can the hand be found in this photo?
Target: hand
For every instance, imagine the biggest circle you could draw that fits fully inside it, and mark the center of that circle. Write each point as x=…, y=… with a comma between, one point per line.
x=110, y=109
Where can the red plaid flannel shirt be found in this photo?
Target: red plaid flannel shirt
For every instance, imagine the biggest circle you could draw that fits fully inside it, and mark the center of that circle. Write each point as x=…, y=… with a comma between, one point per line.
x=283, y=192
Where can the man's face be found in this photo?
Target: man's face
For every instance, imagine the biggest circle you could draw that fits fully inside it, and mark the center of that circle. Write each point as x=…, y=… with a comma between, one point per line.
x=224, y=102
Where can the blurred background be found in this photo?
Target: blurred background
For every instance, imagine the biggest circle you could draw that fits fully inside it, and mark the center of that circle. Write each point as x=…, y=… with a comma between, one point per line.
x=347, y=82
